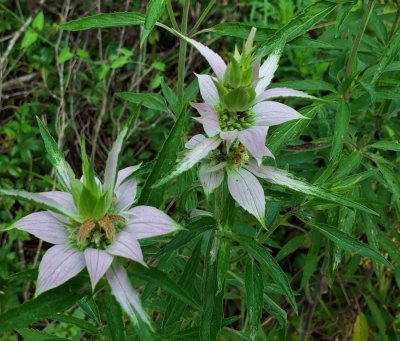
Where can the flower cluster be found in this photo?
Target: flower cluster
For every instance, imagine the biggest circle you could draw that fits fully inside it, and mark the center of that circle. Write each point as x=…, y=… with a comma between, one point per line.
x=236, y=114
x=92, y=223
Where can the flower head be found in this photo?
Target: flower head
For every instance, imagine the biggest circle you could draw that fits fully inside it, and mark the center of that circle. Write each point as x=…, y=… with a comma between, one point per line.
x=236, y=115
x=91, y=223
x=237, y=103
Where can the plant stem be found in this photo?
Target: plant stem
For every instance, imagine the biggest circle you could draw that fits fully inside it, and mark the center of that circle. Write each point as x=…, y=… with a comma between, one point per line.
x=182, y=52
x=363, y=25
x=172, y=15
x=203, y=16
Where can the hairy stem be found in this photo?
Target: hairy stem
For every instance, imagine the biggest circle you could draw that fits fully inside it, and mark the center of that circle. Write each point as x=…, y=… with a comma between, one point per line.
x=182, y=52
x=363, y=25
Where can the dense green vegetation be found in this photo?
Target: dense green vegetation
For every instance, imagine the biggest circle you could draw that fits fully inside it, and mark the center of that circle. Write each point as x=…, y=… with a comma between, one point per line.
x=86, y=79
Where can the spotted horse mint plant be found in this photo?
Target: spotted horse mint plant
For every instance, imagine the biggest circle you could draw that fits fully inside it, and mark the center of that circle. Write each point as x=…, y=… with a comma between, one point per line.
x=236, y=117
x=237, y=103
x=91, y=223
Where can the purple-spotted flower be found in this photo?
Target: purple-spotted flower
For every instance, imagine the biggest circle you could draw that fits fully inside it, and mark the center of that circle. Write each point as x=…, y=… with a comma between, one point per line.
x=237, y=103
x=92, y=223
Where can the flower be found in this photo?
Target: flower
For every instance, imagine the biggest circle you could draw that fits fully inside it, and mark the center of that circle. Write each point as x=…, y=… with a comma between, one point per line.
x=236, y=116
x=237, y=103
x=92, y=223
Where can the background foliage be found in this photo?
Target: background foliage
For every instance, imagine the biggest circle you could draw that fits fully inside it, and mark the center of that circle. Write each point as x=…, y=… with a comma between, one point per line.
x=344, y=52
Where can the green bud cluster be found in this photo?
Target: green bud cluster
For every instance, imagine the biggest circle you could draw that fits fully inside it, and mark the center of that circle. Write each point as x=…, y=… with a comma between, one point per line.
x=238, y=120
x=98, y=234
x=236, y=90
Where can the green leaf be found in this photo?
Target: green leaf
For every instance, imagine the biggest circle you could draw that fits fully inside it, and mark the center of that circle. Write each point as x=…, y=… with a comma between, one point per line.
x=341, y=128
x=349, y=243
x=83, y=324
x=311, y=260
x=212, y=312
x=153, y=12
x=38, y=22
x=187, y=281
x=160, y=279
x=386, y=145
x=241, y=30
x=360, y=328
x=270, y=265
x=287, y=132
x=300, y=24
x=306, y=84
x=148, y=100
x=285, y=179
x=254, y=294
x=89, y=306
x=388, y=55
x=164, y=163
x=291, y=246
x=378, y=318
x=29, y=38
x=197, y=227
x=63, y=170
x=105, y=20
x=114, y=318
x=45, y=305
x=223, y=260
x=36, y=335
x=65, y=55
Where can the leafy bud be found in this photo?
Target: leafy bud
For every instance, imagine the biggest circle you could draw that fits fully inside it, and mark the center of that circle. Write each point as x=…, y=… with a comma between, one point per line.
x=240, y=99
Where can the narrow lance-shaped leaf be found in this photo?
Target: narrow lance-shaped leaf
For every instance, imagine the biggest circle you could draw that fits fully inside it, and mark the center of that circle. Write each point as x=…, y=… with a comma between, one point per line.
x=153, y=12
x=63, y=170
x=349, y=243
x=254, y=293
x=341, y=129
x=105, y=20
x=300, y=24
x=280, y=177
x=47, y=304
x=160, y=279
x=270, y=265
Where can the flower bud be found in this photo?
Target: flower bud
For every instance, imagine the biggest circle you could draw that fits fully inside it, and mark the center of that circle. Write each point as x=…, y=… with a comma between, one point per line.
x=240, y=99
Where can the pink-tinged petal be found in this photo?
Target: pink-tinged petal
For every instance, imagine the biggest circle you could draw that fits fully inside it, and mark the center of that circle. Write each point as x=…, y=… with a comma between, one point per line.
x=267, y=71
x=125, y=245
x=97, y=263
x=110, y=173
x=125, y=295
x=208, y=90
x=192, y=157
x=125, y=190
x=268, y=153
x=274, y=113
x=48, y=226
x=210, y=179
x=194, y=141
x=229, y=137
x=147, y=222
x=281, y=92
x=56, y=201
x=123, y=174
x=209, y=118
x=276, y=176
x=247, y=192
x=59, y=264
x=253, y=139
x=216, y=62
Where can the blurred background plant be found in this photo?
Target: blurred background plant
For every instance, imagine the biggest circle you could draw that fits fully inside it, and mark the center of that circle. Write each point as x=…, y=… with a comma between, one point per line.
x=348, y=55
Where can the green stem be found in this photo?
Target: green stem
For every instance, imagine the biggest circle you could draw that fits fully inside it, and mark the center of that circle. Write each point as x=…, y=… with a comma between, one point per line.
x=363, y=25
x=172, y=15
x=203, y=16
x=182, y=52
